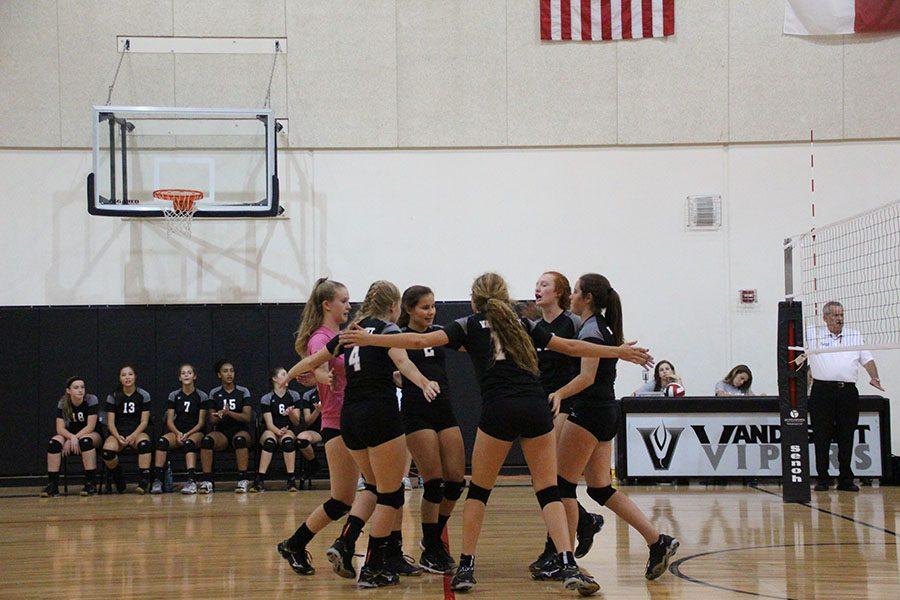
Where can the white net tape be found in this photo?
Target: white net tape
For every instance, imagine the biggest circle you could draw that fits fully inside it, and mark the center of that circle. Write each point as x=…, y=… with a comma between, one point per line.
x=856, y=263
x=178, y=222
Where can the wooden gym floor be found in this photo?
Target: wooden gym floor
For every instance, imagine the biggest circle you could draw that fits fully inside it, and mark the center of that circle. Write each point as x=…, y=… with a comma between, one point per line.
x=736, y=542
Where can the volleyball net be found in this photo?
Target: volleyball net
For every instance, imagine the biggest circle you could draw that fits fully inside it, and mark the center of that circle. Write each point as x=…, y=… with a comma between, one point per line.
x=848, y=271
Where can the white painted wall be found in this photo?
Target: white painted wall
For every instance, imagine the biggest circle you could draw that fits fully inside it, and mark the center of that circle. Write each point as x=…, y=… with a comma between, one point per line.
x=441, y=217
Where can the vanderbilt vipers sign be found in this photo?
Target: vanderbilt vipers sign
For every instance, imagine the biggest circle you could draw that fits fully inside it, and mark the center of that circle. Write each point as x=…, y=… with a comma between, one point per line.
x=744, y=444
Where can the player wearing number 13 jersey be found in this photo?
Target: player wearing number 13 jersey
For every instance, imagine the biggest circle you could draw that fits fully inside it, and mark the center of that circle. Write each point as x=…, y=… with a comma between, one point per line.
x=502, y=349
x=372, y=429
x=128, y=417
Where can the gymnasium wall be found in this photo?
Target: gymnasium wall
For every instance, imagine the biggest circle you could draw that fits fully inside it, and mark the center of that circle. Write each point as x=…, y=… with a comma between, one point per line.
x=448, y=73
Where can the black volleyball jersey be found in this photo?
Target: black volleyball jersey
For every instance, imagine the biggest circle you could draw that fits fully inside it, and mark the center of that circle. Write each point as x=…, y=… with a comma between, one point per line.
x=596, y=331
x=558, y=369
x=370, y=370
x=89, y=406
x=430, y=361
x=128, y=408
x=235, y=400
x=498, y=376
x=187, y=408
x=278, y=406
x=310, y=399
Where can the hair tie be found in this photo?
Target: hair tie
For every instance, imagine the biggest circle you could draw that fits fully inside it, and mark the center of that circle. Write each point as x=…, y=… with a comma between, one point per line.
x=610, y=291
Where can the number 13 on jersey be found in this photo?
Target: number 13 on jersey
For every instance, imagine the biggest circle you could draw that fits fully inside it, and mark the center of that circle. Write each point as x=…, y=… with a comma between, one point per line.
x=354, y=353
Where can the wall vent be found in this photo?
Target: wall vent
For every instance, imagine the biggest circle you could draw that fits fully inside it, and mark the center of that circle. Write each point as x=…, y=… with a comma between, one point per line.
x=704, y=213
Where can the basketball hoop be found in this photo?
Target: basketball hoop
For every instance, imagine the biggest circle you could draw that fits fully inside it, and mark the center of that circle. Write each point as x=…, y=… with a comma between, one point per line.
x=179, y=216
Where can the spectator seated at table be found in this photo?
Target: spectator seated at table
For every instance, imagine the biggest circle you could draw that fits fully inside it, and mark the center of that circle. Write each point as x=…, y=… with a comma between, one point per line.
x=736, y=383
x=663, y=375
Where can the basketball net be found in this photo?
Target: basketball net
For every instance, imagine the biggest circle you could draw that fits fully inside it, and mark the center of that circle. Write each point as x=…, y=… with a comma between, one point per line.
x=180, y=215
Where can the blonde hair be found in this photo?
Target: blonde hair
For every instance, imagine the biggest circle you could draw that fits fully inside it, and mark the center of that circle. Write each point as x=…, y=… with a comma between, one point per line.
x=68, y=407
x=311, y=319
x=491, y=297
x=379, y=299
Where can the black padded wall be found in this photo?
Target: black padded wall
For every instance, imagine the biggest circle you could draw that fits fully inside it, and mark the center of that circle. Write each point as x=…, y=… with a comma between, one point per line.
x=46, y=345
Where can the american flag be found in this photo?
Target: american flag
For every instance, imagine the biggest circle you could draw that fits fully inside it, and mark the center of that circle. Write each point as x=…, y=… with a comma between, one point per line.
x=606, y=19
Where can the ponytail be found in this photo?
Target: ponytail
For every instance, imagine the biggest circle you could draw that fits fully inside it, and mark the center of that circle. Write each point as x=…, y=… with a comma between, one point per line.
x=324, y=290
x=68, y=408
x=491, y=297
x=604, y=300
x=379, y=299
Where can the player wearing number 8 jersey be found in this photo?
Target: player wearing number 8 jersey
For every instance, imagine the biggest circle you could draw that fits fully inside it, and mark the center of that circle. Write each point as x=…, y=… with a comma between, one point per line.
x=128, y=417
x=514, y=406
x=372, y=428
x=281, y=410
x=229, y=415
x=185, y=418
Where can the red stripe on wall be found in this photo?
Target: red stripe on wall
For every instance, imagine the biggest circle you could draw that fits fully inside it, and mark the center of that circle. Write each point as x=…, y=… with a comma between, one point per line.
x=565, y=17
x=877, y=15
x=626, y=19
x=545, y=19
x=605, y=20
x=668, y=17
x=647, y=17
x=586, y=19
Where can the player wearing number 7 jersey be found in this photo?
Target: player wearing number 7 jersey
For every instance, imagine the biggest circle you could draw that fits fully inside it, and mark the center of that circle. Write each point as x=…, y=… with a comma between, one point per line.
x=372, y=428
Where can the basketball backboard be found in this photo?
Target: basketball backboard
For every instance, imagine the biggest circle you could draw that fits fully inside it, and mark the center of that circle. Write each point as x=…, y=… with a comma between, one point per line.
x=229, y=155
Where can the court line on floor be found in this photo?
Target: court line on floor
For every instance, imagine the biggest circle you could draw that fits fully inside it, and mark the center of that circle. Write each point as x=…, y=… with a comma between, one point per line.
x=828, y=512
x=675, y=567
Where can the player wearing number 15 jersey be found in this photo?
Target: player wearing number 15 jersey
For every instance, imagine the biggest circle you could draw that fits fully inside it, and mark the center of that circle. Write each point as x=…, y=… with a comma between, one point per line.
x=229, y=414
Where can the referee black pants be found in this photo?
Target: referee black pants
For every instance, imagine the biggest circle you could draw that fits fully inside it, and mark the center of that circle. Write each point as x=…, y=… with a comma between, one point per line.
x=834, y=414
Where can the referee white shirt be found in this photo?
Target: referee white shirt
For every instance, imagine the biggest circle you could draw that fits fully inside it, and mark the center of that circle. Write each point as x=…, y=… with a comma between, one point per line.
x=836, y=366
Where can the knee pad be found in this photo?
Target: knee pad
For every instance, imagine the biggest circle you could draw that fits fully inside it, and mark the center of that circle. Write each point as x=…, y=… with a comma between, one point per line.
x=547, y=495
x=476, y=492
x=54, y=447
x=287, y=445
x=144, y=447
x=566, y=488
x=601, y=495
x=190, y=446
x=453, y=490
x=393, y=499
x=107, y=454
x=86, y=444
x=433, y=492
x=303, y=444
x=162, y=444
x=269, y=445
x=335, y=509
x=239, y=441
x=370, y=487
x=207, y=443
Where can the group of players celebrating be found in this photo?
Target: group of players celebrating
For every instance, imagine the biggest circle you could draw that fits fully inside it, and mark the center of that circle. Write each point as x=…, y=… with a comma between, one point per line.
x=196, y=422
x=547, y=383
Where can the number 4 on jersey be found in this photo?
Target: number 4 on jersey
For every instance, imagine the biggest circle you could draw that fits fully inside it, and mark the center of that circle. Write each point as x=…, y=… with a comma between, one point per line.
x=354, y=354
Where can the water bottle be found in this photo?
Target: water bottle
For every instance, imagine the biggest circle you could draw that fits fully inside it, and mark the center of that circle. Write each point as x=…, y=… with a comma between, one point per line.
x=168, y=483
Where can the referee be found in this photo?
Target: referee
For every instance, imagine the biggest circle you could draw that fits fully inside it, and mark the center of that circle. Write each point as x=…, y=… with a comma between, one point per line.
x=834, y=399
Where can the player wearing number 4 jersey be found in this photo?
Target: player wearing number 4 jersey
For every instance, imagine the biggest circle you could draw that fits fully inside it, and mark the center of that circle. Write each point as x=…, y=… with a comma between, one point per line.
x=128, y=417
x=373, y=431
x=585, y=445
x=514, y=406
x=185, y=418
x=281, y=410
x=76, y=424
x=229, y=415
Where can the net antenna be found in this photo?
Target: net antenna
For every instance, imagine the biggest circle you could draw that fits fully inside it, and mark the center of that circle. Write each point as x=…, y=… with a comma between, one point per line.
x=853, y=264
